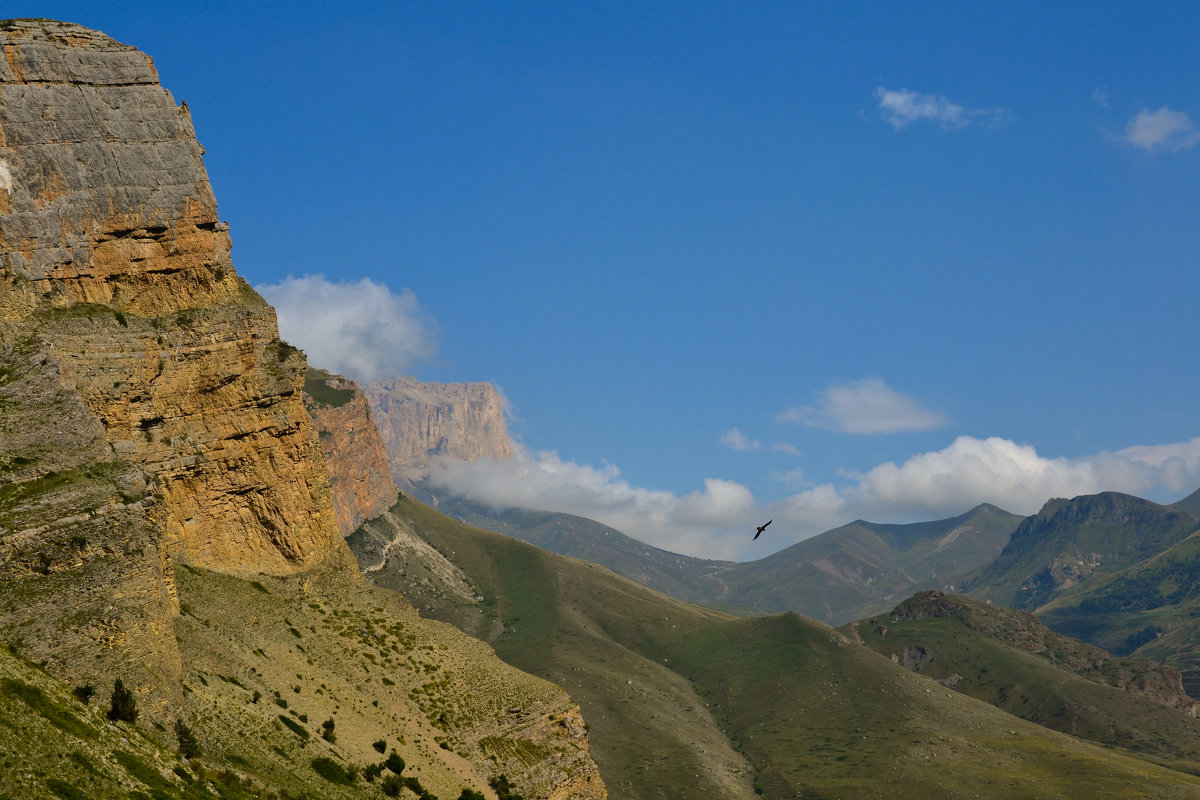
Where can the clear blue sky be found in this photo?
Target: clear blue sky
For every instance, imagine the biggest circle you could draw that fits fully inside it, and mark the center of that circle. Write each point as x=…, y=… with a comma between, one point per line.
x=849, y=233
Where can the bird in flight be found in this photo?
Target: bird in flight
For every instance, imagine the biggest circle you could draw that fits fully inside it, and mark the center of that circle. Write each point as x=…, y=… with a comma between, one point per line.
x=761, y=528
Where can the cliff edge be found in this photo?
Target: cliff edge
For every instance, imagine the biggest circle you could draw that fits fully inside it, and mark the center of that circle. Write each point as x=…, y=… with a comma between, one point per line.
x=114, y=263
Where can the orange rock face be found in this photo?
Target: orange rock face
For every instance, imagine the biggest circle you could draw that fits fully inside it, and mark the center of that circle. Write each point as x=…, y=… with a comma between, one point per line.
x=112, y=254
x=354, y=456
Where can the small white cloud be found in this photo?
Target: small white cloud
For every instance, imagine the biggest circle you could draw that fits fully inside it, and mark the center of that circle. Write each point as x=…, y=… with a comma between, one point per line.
x=865, y=406
x=1161, y=129
x=736, y=440
x=904, y=107
x=785, y=447
x=1100, y=97
x=360, y=329
x=792, y=477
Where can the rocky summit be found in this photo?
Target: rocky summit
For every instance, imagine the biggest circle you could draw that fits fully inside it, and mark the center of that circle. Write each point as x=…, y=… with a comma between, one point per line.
x=420, y=421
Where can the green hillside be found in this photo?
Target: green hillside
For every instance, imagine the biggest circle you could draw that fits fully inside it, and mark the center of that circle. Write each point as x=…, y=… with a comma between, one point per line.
x=1077, y=543
x=1151, y=609
x=1189, y=504
x=684, y=702
x=864, y=567
x=1009, y=659
x=682, y=577
x=843, y=574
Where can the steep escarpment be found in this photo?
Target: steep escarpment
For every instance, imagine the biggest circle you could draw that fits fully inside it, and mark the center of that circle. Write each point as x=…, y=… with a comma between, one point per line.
x=166, y=515
x=354, y=456
x=116, y=265
x=421, y=421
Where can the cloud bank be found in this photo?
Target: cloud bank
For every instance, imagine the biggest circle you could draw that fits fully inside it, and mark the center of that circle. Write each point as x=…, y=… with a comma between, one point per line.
x=904, y=107
x=360, y=329
x=864, y=407
x=1162, y=129
x=713, y=522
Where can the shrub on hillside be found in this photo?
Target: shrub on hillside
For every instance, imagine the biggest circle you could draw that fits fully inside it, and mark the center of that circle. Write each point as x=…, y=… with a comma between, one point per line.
x=124, y=705
x=504, y=788
x=188, y=746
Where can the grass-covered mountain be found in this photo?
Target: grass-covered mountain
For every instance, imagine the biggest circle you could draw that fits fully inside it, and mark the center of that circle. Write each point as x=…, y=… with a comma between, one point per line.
x=1074, y=544
x=685, y=702
x=1152, y=609
x=1009, y=659
x=865, y=567
x=1189, y=504
x=840, y=575
x=683, y=577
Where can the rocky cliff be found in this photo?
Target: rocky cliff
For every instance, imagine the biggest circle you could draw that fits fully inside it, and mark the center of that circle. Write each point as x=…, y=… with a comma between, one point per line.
x=165, y=508
x=116, y=266
x=422, y=421
x=354, y=456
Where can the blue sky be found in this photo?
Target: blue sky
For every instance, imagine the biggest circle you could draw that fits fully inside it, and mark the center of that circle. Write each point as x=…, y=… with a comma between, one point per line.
x=730, y=261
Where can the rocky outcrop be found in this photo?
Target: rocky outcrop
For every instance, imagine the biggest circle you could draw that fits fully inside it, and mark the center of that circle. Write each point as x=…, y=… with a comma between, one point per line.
x=114, y=262
x=422, y=421
x=354, y=456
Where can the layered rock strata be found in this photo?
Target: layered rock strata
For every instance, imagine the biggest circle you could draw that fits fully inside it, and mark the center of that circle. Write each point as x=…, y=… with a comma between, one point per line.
x=354, y=455
x=421, y=421
x=112, y=256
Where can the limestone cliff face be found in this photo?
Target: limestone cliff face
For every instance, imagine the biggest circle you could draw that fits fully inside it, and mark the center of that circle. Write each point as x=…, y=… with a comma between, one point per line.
x=113, y=260
x=354, y=456
x=421, y=421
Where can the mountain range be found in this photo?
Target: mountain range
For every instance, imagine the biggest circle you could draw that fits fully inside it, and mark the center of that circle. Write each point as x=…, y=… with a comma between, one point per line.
x=218, y=581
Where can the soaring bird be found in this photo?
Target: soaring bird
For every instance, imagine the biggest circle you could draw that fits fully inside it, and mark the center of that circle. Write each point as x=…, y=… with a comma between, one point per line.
x=761, y=528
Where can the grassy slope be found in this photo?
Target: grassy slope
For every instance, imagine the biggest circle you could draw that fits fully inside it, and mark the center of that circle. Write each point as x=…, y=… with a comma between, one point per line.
x=680, y=576
x=813, y=714
x=1082, y=541
x=1189, y=504
x=1151, y=609
x=864, y=568
x=1008, y=659
x=54, y=746
x=332, y=649
x=311, y=648
x=844, y=574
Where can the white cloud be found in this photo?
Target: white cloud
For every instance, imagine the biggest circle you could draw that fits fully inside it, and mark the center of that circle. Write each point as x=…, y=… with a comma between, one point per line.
x=792, y=477
x=865, y=406
x=714, y=522
x=785, y=447
x=904, y=107
x=736, y=440
x=999, y=471
x=1161, y=129
x=360, y=329
x=695, y=524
